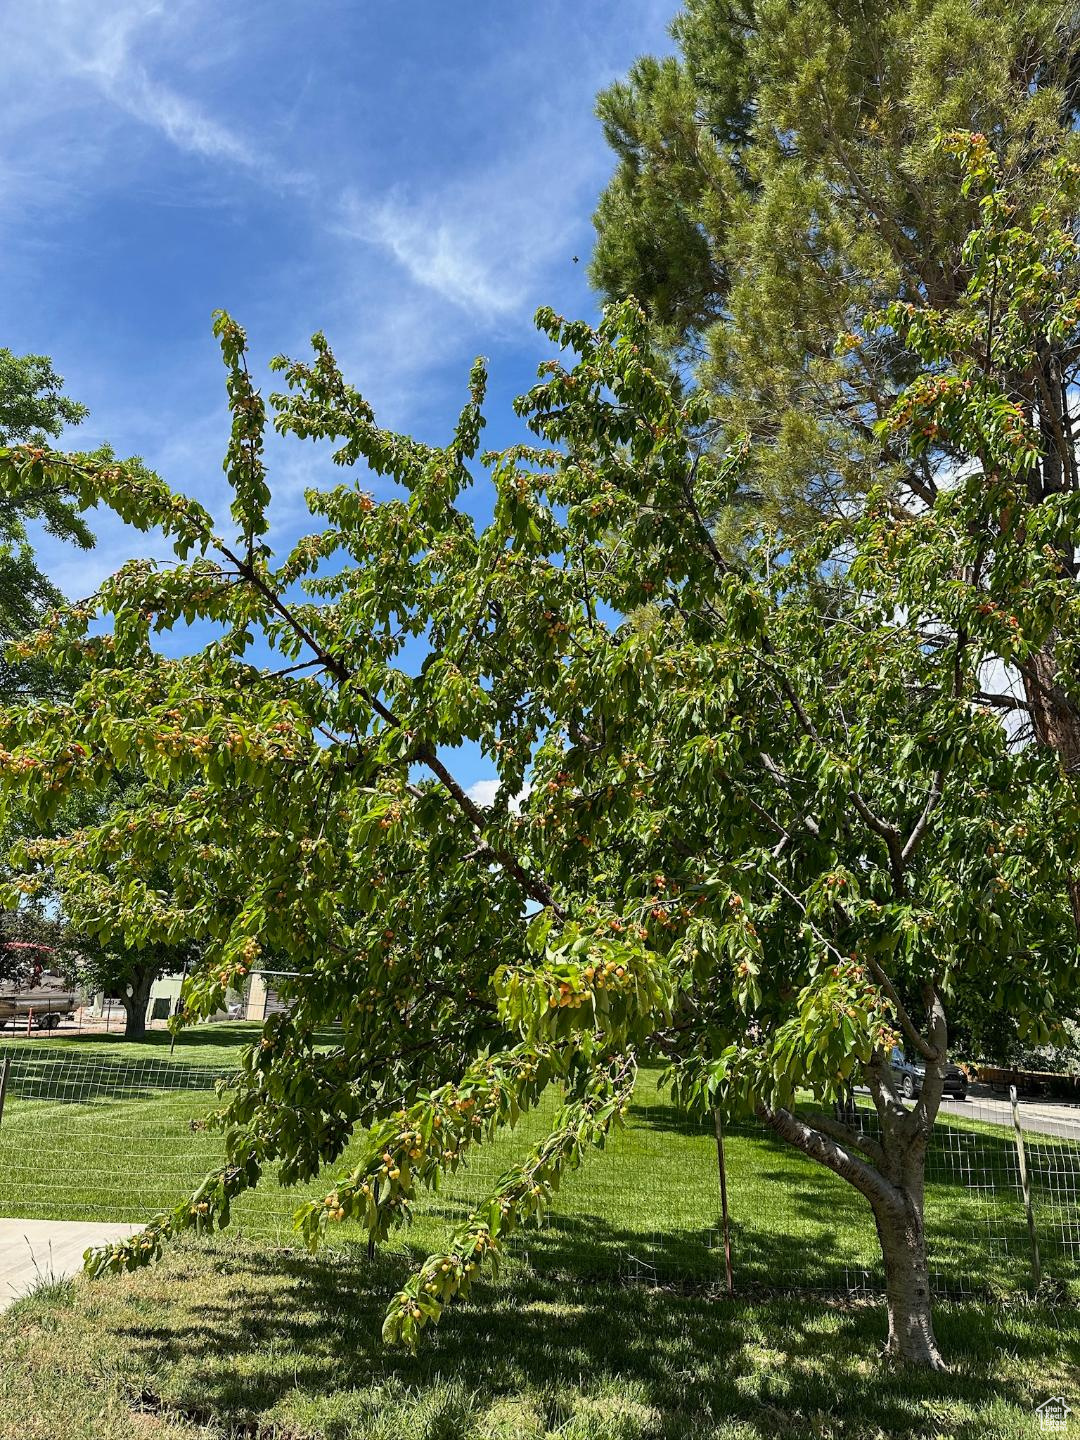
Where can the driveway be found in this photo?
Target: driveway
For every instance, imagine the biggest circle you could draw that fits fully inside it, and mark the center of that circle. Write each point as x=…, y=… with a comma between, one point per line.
x=35, y=1250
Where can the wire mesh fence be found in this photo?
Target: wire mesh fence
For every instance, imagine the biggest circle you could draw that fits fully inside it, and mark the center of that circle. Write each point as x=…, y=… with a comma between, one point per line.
x=58, y=1017
x=100, y=1136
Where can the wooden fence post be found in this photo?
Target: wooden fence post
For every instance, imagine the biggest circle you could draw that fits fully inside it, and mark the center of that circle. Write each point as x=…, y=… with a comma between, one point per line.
x=1025, y=1184
x=5, y=1071
x=718, y=1125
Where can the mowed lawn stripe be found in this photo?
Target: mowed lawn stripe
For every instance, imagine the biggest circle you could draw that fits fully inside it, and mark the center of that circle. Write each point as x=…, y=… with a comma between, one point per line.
x=648, y=1206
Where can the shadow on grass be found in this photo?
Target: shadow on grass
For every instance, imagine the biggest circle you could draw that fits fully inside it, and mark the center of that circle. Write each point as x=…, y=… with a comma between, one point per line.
x=77, y=1042
x=43, y=1074
x=260, y=1327
x=96, y=1067
x=976, y=1226
x=210, y=1035
x=586, y=1246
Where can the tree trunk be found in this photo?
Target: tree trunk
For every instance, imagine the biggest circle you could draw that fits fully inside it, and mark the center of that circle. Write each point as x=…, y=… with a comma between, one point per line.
x=1055, y=718
x=1056, y=722
x=889, y=1173
x=902, y=1232
x=135, y=1005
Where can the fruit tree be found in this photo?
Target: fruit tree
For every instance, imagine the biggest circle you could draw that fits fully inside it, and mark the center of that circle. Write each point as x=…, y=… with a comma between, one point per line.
x=754, y=818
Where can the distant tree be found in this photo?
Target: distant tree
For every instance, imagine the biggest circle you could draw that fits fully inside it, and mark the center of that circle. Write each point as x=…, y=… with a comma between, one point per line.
x=983, y=1031
x=33, y=406
x=33, y=411
x=91, y=904
x=126, y=974
x=777, y=181
x=30, y=943
x=773, y=826
x=1062, y=1057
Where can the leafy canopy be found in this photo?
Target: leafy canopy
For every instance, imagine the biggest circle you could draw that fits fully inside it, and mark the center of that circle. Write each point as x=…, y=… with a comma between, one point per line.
x=771, y=827
x=33, y=410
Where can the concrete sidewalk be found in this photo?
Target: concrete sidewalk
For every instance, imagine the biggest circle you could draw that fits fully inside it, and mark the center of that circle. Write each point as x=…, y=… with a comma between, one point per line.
x=31, y=1250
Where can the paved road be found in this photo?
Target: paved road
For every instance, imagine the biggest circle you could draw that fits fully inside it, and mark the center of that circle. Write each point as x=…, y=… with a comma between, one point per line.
x=33, y=1250
x=1037, y=1116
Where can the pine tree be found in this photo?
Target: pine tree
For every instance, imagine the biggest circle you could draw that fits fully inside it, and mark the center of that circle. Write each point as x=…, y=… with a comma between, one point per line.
x=779, y=181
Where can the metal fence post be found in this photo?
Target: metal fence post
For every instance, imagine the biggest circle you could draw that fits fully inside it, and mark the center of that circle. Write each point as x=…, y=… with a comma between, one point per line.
x=1036, y=1268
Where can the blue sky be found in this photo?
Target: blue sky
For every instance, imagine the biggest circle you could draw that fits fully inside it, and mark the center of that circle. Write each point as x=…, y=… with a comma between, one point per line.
x=412, y=179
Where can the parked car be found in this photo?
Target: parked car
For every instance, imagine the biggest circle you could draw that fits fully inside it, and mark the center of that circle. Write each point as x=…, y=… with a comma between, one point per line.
x=909, y=1076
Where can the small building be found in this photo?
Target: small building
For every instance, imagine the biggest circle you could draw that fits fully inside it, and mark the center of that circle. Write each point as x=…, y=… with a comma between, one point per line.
x=164, y=997
x=261, y=999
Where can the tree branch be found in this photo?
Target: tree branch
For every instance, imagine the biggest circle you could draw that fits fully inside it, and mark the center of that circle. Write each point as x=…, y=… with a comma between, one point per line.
x=813, y=1143
x=933, y=799
x=845, y=1135
x=1002, y=702
x=424, y=755
x=925, y=1049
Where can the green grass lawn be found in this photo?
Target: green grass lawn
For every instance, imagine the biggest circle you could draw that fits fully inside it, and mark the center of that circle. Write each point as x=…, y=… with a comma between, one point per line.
x=244, y=1339
x=97, y=1137
x=243, y=1335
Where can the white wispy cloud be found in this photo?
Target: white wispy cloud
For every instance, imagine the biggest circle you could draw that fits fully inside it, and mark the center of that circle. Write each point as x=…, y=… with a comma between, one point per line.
x=482, y=239
x=180, y=120
x=437, y=250
x=79, y=50
x=486, y=235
